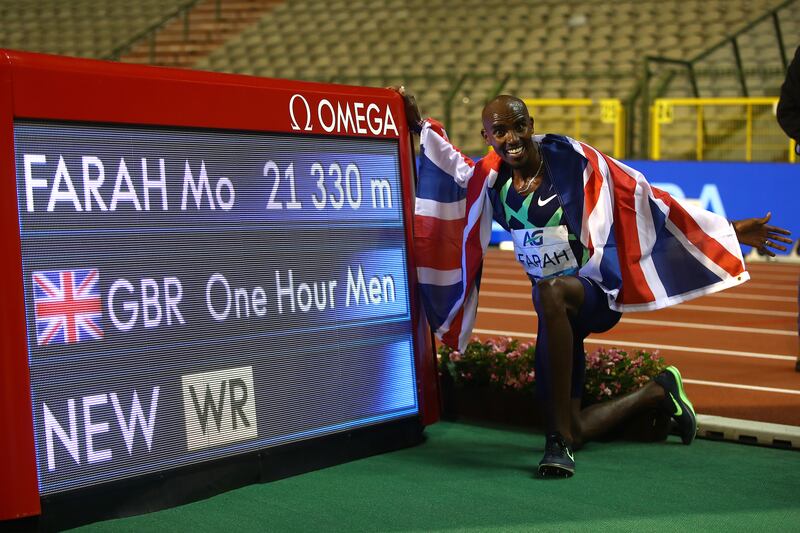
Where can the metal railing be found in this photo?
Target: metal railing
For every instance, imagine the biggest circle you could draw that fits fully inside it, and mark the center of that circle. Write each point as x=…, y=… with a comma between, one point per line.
x=608, y=112
x=646, y=95
x=150, y=33
x=632, y=115
x=745, y=126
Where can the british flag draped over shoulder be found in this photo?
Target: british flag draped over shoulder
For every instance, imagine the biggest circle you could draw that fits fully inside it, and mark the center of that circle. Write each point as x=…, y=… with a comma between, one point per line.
x=647, y=250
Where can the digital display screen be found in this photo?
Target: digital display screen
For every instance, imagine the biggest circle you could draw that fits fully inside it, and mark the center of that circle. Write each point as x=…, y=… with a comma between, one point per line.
x=193, y=294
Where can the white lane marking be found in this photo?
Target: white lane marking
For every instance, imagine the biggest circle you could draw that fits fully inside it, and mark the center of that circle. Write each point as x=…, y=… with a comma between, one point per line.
x=636, y=344
x=739, y=386
x=667, y=323
x=692, y=307
x=514, y=268
x=526, y=296
x=527, y=283
x=736, y=310
x=751, y=297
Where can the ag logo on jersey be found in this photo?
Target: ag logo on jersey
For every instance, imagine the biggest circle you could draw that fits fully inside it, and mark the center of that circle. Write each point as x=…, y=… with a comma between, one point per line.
x=219, y=407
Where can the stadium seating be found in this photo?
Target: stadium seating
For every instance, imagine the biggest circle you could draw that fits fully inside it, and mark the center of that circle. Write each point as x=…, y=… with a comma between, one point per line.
x=86, y=28
x=456, y=53
x=579, y=49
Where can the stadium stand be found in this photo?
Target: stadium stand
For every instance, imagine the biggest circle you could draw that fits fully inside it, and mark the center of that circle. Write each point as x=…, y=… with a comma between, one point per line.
x=84, y=28
x=447, y=52
x=716, y=75
x=205, y=26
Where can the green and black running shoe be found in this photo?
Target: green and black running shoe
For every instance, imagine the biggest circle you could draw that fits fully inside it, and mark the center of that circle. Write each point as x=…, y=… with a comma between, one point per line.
x=558, y=460
x=678, y=403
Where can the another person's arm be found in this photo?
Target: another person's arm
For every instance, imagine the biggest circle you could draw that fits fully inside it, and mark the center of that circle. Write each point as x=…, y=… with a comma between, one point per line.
x=788, y=111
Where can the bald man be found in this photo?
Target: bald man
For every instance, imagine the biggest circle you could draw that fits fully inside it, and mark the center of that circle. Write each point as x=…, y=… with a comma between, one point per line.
x=535, y=175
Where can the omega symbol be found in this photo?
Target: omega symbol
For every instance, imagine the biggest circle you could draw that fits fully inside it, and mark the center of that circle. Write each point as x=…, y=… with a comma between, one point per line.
x=295, y=125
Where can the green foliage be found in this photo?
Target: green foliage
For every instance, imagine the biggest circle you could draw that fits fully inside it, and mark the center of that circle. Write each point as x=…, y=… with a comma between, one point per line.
x=504, y=363
x=507, y=363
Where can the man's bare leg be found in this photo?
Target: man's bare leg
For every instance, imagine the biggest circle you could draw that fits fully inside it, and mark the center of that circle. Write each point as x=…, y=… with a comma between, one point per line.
x=556, y=301
x=600, y=418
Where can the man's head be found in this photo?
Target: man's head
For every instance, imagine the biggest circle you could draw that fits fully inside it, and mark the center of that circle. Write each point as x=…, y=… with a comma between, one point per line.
x=507, y=128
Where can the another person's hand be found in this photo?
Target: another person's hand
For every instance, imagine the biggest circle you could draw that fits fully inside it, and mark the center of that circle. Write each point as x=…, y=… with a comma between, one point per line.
x=757, y=233
x=412, y=110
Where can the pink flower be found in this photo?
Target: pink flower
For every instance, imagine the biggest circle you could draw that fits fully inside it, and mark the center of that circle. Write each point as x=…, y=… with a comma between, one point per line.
x=455, y=356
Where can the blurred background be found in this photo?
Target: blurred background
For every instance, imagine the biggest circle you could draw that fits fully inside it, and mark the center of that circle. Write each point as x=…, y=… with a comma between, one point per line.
x=616, y=74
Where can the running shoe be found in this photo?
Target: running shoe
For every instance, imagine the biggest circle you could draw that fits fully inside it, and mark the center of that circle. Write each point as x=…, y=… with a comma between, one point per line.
x=678, y=404
x=558, y=460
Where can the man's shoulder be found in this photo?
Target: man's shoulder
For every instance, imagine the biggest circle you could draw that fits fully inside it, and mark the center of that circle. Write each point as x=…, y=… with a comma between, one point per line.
x=561, y=145
x=557, y=141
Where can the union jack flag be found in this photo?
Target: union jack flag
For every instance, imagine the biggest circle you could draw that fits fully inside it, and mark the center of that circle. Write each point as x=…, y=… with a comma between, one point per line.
x=67, y=306
x=647, y=250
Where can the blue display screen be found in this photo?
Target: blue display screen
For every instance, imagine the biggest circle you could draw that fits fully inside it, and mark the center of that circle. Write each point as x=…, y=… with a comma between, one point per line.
x=193, y=294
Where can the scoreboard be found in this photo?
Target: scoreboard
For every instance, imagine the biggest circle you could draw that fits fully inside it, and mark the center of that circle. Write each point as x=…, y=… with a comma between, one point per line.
x=198, y=266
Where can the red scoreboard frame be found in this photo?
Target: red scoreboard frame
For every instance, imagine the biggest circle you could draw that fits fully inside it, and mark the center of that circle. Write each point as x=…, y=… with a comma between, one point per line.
x=45, y=87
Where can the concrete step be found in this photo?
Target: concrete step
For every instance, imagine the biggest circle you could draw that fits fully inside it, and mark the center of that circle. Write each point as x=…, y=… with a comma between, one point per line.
x=748, y=431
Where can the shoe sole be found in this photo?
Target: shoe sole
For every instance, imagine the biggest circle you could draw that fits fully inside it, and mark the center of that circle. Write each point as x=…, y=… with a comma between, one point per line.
x=555, y=470
x=685, y=400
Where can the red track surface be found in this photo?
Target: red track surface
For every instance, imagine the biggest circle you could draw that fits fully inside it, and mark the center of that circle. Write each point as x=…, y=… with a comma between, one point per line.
x=737, y=341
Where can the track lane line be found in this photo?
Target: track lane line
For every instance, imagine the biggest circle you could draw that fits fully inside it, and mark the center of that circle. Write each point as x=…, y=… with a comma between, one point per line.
x=739, y=386
x=690, y=307
x=667, y=323
x=789, y=280
x=526, y=283
x=758, y=297
x=633, y=344
x=734, y=310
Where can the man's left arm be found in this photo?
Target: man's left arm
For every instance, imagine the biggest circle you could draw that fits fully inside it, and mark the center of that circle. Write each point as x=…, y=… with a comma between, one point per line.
x=757, y=233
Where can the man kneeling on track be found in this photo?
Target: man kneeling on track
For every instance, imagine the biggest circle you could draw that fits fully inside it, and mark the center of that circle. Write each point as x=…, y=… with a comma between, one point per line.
x=594, y=238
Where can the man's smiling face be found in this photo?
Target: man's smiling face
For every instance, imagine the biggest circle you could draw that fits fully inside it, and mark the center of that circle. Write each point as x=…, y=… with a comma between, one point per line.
x=508, y=128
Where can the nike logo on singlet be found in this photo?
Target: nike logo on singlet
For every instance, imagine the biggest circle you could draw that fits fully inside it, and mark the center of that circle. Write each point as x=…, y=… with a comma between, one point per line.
x=544, y=203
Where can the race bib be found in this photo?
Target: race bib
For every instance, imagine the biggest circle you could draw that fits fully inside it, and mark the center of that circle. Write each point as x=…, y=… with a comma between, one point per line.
x=544, y=252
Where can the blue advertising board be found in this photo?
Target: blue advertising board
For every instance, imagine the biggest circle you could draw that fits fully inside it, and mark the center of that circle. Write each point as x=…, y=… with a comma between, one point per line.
x=734, y=190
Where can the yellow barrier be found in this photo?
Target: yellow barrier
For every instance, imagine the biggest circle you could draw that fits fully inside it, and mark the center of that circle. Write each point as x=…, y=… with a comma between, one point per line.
x=719, y=129
x=600, y=123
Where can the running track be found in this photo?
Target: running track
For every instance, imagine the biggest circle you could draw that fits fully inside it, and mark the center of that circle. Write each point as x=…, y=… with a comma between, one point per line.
x=735, y=349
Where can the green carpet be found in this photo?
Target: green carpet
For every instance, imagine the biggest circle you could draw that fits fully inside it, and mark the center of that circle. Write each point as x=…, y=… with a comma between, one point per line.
x=476, y=478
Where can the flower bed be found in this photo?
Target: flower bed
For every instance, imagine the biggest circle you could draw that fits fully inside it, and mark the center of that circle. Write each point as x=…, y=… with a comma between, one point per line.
x=495, y=380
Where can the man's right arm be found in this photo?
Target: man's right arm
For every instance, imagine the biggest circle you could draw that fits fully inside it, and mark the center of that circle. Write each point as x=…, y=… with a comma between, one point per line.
x=436, y=146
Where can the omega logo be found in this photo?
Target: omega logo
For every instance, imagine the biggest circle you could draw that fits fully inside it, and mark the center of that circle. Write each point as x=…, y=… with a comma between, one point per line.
x=347, y=117
x=302, y=98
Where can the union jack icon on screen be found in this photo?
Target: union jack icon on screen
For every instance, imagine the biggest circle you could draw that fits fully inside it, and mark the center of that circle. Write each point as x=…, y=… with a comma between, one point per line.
x=67, y=306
